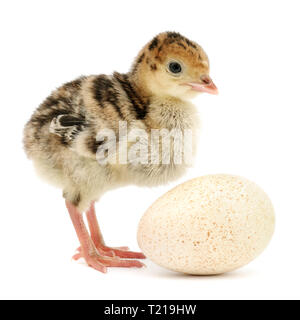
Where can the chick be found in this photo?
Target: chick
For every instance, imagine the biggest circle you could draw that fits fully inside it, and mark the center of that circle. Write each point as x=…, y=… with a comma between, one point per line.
x=61, y=136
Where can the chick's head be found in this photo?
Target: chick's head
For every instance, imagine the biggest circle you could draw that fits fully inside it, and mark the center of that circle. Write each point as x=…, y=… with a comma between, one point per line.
x=172, y=65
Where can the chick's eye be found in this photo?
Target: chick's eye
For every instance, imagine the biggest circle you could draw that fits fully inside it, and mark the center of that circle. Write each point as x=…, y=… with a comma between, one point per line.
x=175, y=67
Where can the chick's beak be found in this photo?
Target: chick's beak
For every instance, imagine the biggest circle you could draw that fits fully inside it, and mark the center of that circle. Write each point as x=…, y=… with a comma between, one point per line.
x=204, y=85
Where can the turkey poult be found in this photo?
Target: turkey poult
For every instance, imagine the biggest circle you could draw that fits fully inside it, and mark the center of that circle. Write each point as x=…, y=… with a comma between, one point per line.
x=61, y=136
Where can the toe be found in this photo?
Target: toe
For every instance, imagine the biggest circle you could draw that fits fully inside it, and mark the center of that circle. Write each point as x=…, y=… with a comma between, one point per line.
x=122, y=253
x=94, y=263
x=129, y=254
x=123, y=263
x=77, y=256
x=121, y=248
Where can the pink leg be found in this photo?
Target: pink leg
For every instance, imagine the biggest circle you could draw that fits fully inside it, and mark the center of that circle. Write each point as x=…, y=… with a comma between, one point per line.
x=94, y=226
x=97, y=238
x=88, y=250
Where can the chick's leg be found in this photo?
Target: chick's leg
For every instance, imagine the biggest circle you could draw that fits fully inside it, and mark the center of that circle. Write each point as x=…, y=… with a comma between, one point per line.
x=96, y=234
x=88, y=250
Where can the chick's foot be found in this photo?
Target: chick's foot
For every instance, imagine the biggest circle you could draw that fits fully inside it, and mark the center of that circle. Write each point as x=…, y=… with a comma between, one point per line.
x=101, y=263
x=94, y=258
x=121, y=252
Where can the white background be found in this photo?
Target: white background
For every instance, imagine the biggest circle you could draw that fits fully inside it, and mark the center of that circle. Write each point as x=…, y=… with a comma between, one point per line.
x=250, y=129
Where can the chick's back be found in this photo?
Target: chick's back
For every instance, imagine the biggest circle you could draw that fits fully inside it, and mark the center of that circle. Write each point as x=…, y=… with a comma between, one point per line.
x=69, y=119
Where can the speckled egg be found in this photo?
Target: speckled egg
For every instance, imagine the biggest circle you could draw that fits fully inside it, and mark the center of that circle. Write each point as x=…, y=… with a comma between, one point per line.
x=208, y=225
